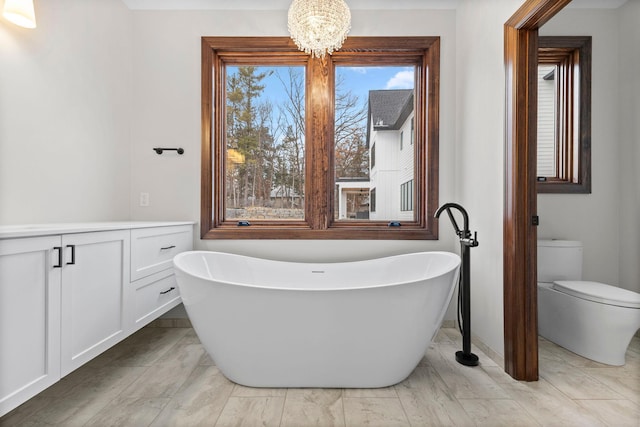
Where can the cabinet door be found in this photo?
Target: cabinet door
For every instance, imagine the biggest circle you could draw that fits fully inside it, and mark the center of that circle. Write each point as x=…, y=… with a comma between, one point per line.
x=29, y=318
x=94, y=286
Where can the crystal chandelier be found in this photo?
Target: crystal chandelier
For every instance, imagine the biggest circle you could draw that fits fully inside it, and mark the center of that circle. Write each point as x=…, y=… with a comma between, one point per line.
x=319, y=26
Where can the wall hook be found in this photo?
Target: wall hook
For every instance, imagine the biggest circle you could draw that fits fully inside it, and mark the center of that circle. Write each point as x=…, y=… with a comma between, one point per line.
x=160, y=150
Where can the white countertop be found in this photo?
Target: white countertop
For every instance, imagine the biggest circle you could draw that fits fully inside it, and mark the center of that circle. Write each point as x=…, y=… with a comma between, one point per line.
x=30, y=230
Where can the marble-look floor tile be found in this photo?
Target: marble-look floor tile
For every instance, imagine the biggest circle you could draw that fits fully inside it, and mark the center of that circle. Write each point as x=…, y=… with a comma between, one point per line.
x=497, y=413
x=464, y=381
x=143, y=348
x=548, y=406
x=374, y=412
x=623, y=380
x=614, y=413
x=251, y=411
x=243, y=391
x=132, y=412
x=575, y=382
x=165, y=377
x=20, y=416
x=200, y=400
x=427, y=400
x=371, y=392
x=82, y=401
x=313, y=408
x=497, y=374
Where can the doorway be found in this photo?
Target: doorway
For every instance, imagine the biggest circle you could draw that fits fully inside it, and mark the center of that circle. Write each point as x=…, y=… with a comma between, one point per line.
x=520, y=205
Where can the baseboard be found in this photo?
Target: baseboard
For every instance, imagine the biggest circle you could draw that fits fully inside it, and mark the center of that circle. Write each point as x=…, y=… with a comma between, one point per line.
x=449, y=323
x=170, y=323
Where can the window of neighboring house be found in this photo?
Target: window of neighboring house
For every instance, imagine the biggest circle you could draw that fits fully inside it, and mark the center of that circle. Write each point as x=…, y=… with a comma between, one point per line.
x=406, y=196
x=412, y=131
x=372, y=200
x=283, y=135
x=373, y=155
x=401, y=139
x=564, y=115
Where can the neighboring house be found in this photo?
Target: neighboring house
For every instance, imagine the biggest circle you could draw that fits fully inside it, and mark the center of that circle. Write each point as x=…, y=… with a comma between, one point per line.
x=285, y=197
x=389, y=192
x=390, y=133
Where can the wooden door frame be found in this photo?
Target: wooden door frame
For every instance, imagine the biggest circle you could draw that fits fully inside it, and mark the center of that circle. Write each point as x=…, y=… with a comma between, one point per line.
x=520, y=197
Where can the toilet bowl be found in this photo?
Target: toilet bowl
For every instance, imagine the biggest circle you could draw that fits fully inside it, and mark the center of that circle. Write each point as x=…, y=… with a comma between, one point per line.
x=592, y=319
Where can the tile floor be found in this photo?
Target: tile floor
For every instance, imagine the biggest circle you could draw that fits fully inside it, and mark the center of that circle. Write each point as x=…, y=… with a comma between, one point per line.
x=163, y=377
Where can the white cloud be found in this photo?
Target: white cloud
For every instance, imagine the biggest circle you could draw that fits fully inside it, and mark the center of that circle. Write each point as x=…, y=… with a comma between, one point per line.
x=402, y=80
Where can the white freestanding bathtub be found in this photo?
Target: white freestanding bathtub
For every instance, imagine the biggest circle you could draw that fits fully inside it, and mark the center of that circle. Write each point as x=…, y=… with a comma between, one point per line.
x=341, y=325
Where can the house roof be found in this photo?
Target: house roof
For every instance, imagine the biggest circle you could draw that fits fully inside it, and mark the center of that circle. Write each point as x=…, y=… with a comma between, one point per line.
x=282, y=191
x=389, y=109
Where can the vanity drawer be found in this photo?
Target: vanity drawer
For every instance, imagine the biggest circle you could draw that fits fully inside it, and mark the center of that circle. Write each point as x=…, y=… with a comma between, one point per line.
x=153, y=249
x=154, y=296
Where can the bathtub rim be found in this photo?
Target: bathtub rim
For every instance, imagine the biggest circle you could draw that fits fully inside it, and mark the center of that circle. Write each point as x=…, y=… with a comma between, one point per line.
x=179, y=267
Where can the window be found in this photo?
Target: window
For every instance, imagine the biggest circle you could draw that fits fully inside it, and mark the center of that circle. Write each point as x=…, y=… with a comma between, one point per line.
x=564, y=115
x=412, y=131
x=284, y=154
x=401, y=139
x=373, y=155
x=372, y=200
x=406, y=196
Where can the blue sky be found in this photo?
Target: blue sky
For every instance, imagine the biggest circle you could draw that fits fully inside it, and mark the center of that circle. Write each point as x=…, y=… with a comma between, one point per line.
x=359, y=79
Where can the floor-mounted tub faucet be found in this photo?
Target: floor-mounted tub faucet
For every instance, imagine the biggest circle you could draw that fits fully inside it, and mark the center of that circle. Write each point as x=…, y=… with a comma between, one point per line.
x=465, y=356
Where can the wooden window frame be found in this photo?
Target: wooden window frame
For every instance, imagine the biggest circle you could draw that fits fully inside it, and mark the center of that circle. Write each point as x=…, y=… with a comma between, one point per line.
x=572, y=57
x=423, y=52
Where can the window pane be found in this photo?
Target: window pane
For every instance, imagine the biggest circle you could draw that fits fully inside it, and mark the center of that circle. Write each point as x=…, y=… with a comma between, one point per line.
x=374, y=111
x=264, y=168
x=547, y=115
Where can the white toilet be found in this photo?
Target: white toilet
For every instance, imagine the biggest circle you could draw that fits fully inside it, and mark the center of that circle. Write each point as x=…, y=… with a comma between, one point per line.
x=594, y=320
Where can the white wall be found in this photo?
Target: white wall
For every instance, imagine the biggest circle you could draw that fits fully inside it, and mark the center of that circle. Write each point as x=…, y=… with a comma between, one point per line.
x=629, y=114
x=605, y=219
x=65, y=114
x=480, y=144
x=167, y=113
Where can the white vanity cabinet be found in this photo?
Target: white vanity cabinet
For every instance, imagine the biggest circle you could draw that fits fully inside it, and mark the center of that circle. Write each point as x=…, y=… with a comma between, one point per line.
x=155, y=287
x=29, y=318
x=67, y=295
x=95, y=282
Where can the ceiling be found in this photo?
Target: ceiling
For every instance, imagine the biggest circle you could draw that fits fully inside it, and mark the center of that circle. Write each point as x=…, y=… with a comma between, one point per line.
x=353, y=4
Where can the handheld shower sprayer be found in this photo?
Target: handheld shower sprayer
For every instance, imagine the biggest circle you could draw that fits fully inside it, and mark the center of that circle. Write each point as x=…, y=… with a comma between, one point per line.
x=464, y=357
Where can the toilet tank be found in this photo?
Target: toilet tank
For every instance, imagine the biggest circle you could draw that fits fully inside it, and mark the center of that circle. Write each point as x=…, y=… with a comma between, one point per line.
x=559, y=260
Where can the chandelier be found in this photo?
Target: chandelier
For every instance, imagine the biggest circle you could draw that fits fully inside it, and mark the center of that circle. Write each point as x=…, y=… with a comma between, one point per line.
x=319, y=26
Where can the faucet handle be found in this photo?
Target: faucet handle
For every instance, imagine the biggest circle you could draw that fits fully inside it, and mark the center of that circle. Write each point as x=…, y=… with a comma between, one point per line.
x=468, y=241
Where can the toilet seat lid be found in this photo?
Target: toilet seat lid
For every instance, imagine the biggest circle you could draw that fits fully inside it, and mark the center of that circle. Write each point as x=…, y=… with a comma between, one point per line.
x=599, y=292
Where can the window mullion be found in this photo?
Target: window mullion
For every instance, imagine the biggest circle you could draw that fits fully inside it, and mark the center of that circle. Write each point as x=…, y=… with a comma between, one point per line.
x=319, y=137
